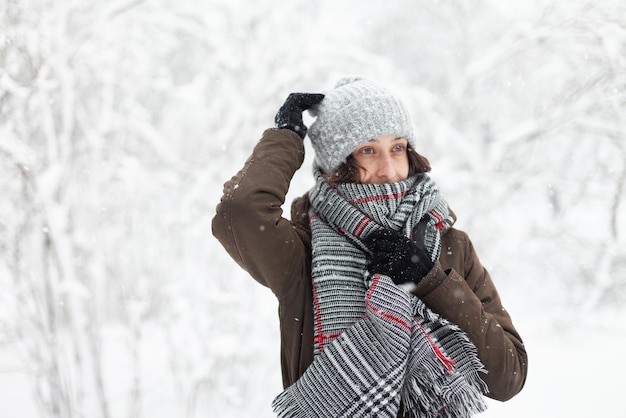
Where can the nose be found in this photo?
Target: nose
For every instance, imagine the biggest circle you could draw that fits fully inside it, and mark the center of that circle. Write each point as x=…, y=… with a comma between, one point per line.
x=386, y=170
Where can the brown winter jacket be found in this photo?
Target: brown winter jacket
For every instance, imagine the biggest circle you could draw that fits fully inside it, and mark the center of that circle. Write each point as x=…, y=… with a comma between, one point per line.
x=277, y=253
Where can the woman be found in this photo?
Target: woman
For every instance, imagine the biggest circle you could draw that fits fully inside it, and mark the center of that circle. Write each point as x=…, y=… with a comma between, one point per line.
x=385, y=309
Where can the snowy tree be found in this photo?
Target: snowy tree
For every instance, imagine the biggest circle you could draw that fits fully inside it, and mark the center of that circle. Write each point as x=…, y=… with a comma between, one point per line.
x=120, y=121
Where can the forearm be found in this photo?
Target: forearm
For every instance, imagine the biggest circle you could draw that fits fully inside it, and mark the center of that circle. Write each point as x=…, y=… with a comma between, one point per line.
x=249, y=222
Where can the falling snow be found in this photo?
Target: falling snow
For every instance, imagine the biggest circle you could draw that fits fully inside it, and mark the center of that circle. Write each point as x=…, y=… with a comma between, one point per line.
x=120, y=122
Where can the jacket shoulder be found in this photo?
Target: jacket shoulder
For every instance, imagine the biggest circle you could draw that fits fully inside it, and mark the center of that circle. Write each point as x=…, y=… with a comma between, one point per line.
x=454, y=238
x=456, y=250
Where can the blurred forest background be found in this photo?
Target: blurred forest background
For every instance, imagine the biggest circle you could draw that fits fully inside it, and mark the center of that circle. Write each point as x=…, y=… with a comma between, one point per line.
x=121, y=120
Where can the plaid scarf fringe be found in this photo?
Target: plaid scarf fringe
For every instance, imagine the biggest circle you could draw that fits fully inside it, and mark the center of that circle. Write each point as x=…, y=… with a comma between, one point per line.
x=430, y=384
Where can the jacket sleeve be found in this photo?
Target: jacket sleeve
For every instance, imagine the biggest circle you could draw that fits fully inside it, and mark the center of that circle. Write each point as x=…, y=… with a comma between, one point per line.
x=248, y=220
x=467, y=296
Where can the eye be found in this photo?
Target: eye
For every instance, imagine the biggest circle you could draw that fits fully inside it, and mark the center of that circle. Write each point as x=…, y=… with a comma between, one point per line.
x=366, y=150
x=399, y=148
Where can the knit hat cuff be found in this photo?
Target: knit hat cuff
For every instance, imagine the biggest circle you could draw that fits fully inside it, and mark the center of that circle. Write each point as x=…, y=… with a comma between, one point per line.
x=345, y=122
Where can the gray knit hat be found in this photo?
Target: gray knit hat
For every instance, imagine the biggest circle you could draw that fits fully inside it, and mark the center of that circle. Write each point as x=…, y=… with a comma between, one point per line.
x=355, y=111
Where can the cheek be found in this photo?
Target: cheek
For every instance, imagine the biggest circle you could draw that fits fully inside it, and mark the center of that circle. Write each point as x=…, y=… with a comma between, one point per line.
x=403, y=165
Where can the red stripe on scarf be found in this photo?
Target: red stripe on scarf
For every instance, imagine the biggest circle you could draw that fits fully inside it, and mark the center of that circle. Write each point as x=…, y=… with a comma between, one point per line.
x=318, y=317
x=359, y=228
x=440, y=223
x=448, y=362
x=382, y=313
x=378, y=197
x=321, y=337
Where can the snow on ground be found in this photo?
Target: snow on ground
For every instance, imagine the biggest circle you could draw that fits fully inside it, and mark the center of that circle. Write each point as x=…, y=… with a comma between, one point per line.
x=15, y=388
x=574, y=371
x=573, y=375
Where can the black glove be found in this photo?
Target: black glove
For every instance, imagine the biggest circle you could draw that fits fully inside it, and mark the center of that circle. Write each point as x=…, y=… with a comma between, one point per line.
x=289, y=115
x=398, y=257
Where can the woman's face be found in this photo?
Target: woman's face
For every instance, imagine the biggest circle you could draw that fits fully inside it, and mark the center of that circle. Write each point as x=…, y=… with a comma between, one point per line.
x=383, y=159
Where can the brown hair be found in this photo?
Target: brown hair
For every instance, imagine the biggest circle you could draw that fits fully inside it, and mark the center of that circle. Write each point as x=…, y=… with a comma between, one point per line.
x=348, y=172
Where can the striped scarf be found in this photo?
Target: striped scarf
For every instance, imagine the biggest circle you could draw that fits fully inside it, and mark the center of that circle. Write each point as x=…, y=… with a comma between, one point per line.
x=377, y=347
